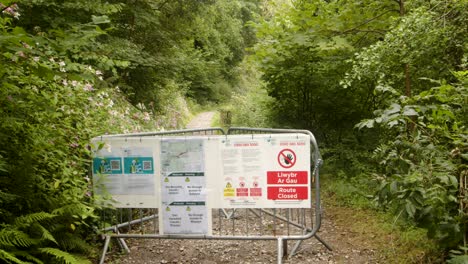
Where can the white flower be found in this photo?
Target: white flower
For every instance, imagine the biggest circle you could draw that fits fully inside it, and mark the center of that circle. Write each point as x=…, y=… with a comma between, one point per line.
x=74, y=83
x=88, y=87
x=62, y=63
x=146, y=116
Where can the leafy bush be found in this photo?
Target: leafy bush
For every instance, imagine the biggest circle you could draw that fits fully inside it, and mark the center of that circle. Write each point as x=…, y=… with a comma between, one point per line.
x=52, y=104
x=425, y=155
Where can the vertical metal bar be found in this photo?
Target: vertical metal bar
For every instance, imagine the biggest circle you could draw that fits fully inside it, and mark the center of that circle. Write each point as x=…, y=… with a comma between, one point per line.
x=130, y=219
x=247, y=222
x=280, y=250
x=220, y=225
x=274, y=221
x=303, y=216
x=142, y=228
x=121, y=216
x=233, y=223
x=155, y=222
x=287, y=217
x=104, y=250
x=261, y=222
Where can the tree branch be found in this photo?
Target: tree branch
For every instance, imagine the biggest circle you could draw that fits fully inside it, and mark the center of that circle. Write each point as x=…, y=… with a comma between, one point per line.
x=367, y=22
x=6, y=7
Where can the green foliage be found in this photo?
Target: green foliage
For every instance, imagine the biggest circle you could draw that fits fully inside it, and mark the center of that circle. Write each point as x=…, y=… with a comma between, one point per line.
x=61, y=256
x=331, y=64
x=53, y=102
x=429, y=45
x=68, y=70
x=420, y=166
x=251, y=105
x=304, y=52
x=195, y=45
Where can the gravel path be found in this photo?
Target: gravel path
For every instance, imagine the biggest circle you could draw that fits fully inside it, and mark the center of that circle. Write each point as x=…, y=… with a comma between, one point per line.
x=202, y=120
x=349, y=245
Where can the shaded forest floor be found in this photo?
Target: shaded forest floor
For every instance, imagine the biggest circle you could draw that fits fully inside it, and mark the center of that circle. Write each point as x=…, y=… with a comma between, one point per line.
x=356, y=236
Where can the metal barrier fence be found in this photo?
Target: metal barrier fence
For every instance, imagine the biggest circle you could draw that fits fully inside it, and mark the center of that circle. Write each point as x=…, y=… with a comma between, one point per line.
x=279, y=224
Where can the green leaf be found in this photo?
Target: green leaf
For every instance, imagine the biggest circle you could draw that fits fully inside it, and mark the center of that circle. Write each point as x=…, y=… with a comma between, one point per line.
x=100, y=20
x=4, y=255
x=61, y=255
x=410, y=209
x=409, y=111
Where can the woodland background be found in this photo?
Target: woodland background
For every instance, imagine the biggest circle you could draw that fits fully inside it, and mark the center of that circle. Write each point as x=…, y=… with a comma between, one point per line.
x=382, y=84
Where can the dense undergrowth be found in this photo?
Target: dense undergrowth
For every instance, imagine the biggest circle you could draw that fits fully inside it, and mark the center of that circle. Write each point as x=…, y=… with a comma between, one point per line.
x=382, y=85
x=394, y=239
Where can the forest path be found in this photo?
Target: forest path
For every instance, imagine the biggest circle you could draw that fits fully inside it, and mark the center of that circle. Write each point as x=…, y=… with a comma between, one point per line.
x=202, y=120
x=344, y=229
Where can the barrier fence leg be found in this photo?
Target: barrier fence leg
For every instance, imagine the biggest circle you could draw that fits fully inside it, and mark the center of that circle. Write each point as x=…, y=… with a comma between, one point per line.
x=295, y=248
x=323, y=242
x=280, y=251
x=104, y=250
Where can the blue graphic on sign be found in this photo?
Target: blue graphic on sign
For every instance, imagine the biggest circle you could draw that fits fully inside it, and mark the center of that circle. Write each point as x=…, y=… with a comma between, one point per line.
x=138, y=165
x=109, y=165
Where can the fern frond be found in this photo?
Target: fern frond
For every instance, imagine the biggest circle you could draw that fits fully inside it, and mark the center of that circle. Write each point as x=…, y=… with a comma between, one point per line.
x=9, y=258
x=73, y=209
x=45, y=234
x=72, y=242
x=82, y=260
x=26, y=220
x=7, y=197
x=27, y=256
x=15, y=238
x=60, y=255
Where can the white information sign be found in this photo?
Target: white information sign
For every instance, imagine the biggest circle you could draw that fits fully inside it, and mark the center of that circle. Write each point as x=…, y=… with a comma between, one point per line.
x=266, y=171
x=125, y=169
x=183, y=187
x=186, y=177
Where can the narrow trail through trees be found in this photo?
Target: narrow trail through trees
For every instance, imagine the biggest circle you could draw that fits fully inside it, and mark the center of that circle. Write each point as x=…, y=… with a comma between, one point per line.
x=351, y=243
x=202, y=120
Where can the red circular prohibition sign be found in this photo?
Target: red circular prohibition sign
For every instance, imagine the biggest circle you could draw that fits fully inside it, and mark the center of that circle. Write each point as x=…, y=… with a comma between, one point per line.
x=286, y=158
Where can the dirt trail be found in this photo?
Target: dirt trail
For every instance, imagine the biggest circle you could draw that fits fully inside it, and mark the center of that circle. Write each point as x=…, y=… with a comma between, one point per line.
x=349, y=245
x=202, y=120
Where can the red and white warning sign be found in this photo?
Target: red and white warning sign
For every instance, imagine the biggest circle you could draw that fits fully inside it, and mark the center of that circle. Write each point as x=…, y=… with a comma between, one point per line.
x=288, y=193
x=287, y=177
x=288, y=180
x=287, y=158
x=264, y=171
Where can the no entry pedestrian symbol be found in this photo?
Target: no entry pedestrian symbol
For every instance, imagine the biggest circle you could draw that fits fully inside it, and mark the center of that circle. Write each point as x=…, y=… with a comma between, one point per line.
x=286, y=158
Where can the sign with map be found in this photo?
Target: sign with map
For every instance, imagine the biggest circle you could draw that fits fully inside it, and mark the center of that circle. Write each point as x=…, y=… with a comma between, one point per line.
x=183, y=186
x=186, y=177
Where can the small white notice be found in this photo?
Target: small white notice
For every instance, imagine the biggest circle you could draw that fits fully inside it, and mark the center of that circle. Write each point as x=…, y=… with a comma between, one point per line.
x=183, y=187
x=185, y=218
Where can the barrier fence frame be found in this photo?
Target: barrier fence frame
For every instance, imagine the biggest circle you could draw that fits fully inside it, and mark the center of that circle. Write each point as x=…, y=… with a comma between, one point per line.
x=307, y=231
